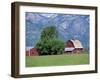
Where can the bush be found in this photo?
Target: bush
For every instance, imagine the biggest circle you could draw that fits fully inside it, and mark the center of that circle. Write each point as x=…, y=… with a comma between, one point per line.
x=50, y=47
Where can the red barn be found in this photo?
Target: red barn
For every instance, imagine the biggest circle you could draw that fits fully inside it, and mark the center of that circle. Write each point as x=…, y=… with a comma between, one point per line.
x=31, y=52
x=73, y=46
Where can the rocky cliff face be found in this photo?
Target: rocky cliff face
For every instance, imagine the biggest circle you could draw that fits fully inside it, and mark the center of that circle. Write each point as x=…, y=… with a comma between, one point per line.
x=69, y=26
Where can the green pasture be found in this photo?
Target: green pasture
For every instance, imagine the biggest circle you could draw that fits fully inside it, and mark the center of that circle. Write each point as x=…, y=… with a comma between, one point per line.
x=57, y=60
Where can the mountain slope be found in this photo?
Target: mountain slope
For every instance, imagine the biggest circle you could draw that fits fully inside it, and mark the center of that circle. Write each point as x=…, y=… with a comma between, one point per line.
x=69, y=26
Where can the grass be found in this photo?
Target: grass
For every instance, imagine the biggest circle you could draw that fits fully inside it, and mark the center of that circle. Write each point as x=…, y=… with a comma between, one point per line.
x=57, y=60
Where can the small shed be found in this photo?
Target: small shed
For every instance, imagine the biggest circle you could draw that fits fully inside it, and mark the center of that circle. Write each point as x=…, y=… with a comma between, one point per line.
x=31, y=51
x=73, y=46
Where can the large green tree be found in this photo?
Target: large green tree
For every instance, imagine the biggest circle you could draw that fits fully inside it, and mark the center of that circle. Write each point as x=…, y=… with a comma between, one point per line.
x=49, y=44
x=49, y=33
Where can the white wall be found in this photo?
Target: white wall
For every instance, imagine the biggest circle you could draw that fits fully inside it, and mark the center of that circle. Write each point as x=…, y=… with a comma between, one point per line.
x=5, y=41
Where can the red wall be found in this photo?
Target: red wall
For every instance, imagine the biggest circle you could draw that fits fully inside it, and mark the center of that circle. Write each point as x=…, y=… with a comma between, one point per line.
x=69, y=44
x=32, y=52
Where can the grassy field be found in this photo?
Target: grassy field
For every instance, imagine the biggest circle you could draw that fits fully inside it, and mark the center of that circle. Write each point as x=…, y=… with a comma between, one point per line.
x=56, y=60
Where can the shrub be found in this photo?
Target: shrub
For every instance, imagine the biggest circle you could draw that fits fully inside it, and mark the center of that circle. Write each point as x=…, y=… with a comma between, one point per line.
x=50, y=47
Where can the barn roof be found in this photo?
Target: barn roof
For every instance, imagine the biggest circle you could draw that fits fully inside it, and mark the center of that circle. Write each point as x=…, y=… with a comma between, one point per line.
x=28, y=48
x=77, y=43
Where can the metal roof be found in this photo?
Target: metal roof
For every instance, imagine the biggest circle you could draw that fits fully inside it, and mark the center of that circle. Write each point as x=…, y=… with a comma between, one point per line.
x=69, y=49
x=77, y=43
x=28, y=48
